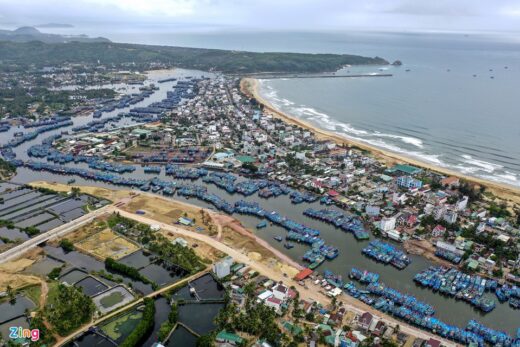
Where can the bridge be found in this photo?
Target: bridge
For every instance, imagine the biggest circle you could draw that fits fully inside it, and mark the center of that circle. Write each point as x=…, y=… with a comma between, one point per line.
x=60, y=231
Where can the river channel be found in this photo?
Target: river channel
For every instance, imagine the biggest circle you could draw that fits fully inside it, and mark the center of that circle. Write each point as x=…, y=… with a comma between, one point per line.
x=447, y=309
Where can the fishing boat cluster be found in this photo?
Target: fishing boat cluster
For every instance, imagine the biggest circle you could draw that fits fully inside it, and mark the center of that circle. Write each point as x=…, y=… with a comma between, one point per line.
x=339, y=220
x=414, y=311
x=296, y=232
x=452, y=282
x=448, y=255
x=20, y=137
x=298, y=197
x=186, y=155
x=470, y=288
x=185, y=173
x=509, y=293
x=265, y=188
x=387, y=254
x=201, y=193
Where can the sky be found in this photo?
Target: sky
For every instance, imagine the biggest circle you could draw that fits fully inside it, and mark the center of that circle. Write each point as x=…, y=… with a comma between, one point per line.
x=309, y=15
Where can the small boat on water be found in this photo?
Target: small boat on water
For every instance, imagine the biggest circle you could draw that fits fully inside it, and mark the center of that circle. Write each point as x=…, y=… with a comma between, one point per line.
x=278, y=238
x=514, y=303
x=317, y=262
x=71, y=181
x=288, y=245
x=261, y=225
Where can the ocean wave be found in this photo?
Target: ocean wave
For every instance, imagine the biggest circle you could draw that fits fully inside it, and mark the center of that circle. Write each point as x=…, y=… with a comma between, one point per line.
x=325, y=121
x=465, y=169
x=502, y=178
x=484, y=165
x=460, y=162
x=406, y=139
x=428, y=158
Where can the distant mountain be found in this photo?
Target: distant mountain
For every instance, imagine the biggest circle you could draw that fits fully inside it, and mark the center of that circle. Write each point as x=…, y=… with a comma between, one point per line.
x=40, y=54
x=54, y=25
x=27, y=34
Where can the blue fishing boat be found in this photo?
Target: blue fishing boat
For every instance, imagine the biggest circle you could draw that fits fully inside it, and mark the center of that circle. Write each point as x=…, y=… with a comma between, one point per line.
x=364, y=276
x=261, y=225
x=288, y=245
x=387, y=254
x=278, y=238
x=339, y=220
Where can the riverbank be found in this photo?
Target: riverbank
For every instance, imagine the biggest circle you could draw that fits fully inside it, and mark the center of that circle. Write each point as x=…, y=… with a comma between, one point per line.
x=221, y=228
x=250, y=87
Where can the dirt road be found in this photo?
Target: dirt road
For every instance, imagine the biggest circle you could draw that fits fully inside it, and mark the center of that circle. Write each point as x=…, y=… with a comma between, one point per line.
x=311, y=293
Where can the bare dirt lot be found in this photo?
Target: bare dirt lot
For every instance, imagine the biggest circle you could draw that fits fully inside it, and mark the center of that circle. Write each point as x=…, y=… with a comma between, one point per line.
x=10, y=272
x=106, y=244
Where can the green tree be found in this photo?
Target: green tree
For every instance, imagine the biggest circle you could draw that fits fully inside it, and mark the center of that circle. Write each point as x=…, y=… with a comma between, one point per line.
x=72, y=309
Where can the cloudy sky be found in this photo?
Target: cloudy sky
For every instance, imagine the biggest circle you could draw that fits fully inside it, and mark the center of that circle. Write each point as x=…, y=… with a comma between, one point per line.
x=193, y=15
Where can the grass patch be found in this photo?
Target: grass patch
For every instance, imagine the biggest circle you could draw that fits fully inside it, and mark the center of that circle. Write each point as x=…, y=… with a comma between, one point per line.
x=33, y=293
x=52, y=295
x=121, y=327
x=112, y=299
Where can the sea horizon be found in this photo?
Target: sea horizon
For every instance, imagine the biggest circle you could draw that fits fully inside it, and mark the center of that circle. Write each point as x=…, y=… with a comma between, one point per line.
x=451, y=103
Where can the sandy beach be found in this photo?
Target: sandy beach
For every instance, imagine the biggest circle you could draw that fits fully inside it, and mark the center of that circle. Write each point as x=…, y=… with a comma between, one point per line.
x=250, y=87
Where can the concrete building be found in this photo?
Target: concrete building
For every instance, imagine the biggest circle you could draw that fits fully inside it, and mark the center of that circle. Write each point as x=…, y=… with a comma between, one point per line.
x=450, y=216
x=408, y=182
x=223, y=267
x=387, y=224
x=462, y=204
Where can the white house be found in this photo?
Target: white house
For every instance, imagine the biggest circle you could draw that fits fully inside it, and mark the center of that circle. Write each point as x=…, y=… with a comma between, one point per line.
x=280, y=291
x=387, y=224
x=223, y=267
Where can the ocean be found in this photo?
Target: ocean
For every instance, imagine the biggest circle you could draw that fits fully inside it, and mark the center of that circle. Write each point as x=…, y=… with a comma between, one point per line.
x=455, y=107
x=452, y=103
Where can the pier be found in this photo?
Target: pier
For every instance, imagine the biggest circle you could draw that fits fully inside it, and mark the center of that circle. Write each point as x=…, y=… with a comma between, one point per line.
x=270, y=77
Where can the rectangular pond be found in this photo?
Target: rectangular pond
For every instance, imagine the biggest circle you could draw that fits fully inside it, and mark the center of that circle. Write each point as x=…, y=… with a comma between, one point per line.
x=91, y=286
x=199, y=317
x=121, y=326
x=10, y=311
x=137, y=259
x=181, y=337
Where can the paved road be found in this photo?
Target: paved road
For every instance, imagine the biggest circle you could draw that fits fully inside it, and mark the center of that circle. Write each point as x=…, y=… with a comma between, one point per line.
x=60, y=231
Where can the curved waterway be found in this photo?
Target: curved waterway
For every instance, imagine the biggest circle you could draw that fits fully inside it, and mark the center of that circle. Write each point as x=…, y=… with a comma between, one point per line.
x=447, y=309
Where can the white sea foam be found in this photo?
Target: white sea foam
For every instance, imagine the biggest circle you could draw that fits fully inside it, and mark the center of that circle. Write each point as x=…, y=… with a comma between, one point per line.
x=509, y=179
x=466, y=163
x=351, y=130
x=406, y=139
x=484, y=165
x=468, y=170
x=429, y=158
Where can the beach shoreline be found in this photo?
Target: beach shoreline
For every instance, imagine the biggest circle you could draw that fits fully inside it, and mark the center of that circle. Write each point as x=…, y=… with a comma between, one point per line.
x=250, y=87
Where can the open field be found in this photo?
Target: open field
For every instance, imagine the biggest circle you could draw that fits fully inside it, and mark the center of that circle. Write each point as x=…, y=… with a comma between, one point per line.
x=106, y=244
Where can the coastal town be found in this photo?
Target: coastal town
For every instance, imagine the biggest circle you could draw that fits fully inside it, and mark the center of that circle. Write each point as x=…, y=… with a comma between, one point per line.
x=178, y=208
